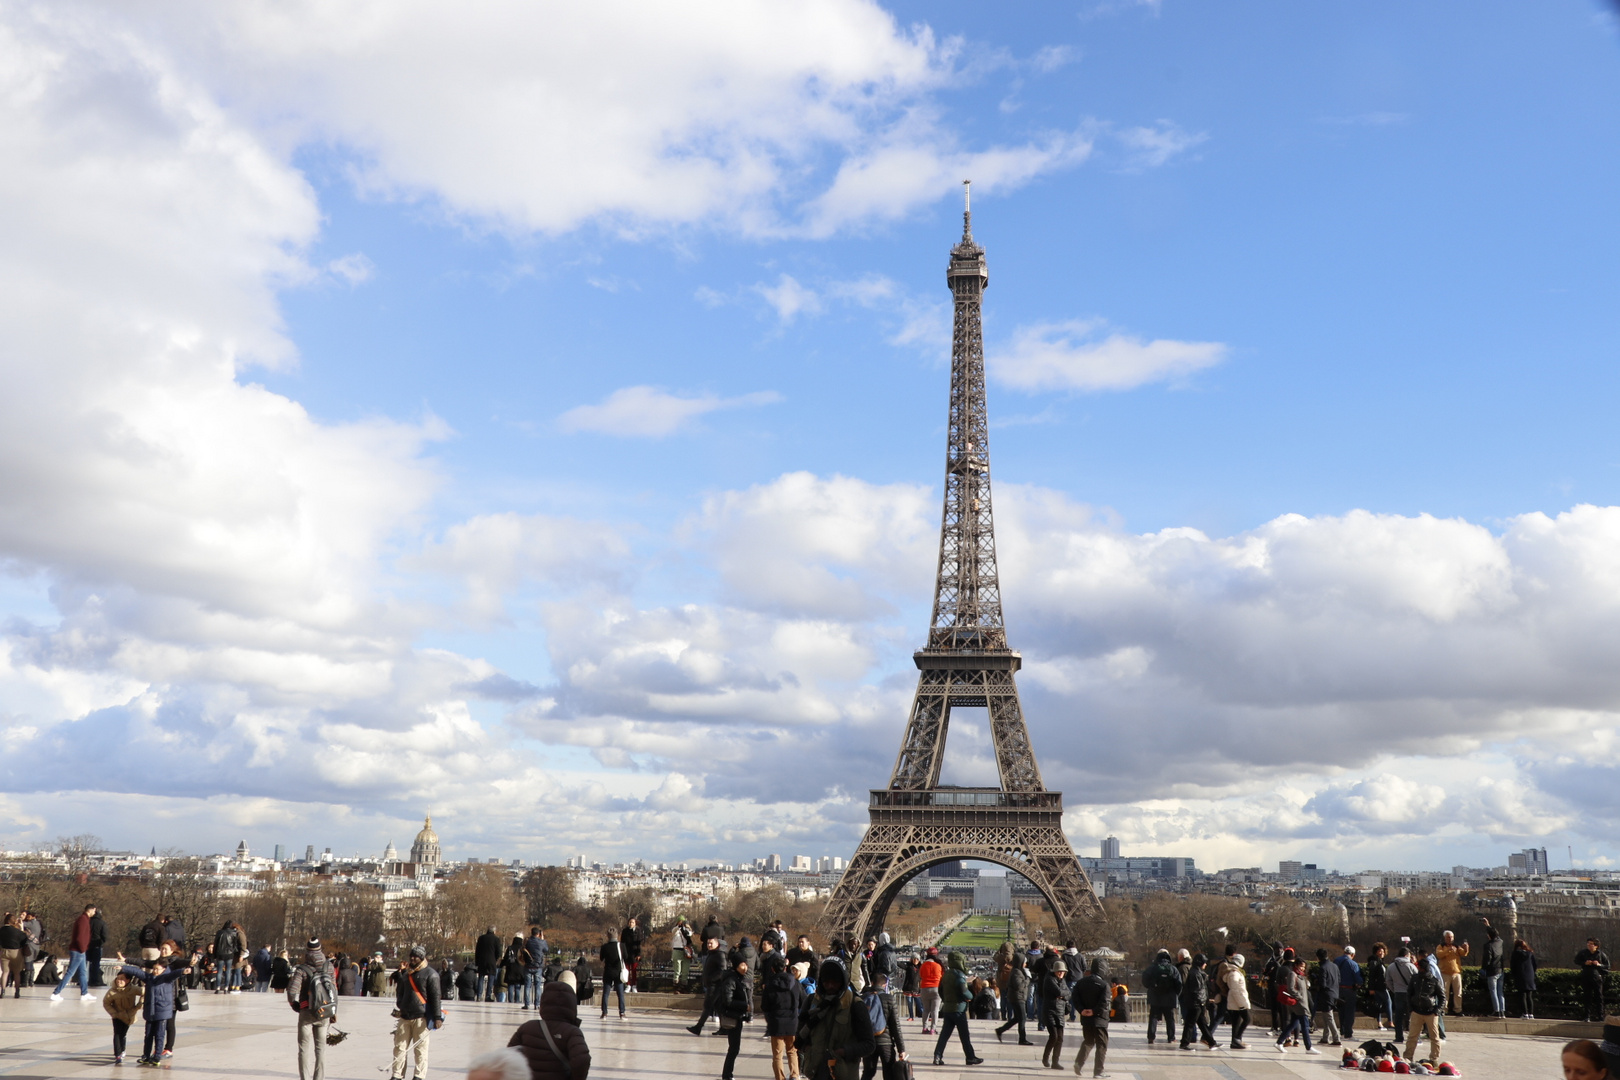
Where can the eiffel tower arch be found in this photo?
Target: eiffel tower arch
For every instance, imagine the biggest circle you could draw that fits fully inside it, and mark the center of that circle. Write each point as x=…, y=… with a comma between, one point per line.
x=916, y=822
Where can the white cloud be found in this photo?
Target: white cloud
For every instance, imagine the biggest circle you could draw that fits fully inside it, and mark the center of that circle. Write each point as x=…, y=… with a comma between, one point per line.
x=353, y=269
x=1073, y=355
x=650, y=413
x=789, y=299
x=1151, y=147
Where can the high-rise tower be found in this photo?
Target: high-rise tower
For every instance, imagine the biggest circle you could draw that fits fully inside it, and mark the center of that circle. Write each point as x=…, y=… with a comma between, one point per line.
x=915, y=822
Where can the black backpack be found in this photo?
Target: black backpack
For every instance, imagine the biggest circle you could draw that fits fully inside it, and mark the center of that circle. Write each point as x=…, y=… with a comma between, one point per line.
x=150, y=939
x=1423, y=994
x=319, y=995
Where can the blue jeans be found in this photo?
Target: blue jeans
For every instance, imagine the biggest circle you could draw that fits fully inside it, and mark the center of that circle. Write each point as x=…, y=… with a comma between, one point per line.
x=616, y=984
x=76, y=966
x=484, y=988
x=1383, y=1006
x=1493, y=994
x=227, y=975
x=532, y=981
x=1347, y=1015
x=1400, y=1014
x=1300, y=1025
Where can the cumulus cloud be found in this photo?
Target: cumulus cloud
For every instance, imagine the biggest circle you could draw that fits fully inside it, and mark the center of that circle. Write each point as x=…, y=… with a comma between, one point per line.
x=1073, y=355
x=789, y=299
x=647, y=412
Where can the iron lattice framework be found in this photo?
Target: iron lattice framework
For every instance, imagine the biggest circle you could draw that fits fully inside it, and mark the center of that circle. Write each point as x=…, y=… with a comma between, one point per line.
x=916, y=823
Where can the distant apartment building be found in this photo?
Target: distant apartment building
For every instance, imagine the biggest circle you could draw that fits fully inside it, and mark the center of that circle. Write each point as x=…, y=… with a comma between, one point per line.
x=801, y=865
x=1110, y=848
x=1529, y=862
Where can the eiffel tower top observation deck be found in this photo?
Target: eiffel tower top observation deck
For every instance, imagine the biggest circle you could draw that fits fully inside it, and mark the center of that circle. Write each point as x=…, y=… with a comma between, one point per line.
x=916, y=822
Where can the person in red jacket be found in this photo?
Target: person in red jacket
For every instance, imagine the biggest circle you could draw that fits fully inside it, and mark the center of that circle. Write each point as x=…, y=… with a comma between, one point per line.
x=928, y=976
x=78, y=945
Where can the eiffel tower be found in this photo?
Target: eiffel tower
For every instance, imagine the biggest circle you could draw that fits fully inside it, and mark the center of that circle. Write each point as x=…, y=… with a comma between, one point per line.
x=915, y=821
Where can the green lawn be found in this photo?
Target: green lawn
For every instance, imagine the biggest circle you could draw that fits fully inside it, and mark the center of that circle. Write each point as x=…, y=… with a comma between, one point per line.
x=980, y=931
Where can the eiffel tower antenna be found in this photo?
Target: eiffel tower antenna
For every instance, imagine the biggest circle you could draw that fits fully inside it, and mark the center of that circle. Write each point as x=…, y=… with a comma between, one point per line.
x=916, y=822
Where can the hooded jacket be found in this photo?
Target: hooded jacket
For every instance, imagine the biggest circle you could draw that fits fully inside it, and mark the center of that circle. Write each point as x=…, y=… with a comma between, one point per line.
x=835, y=1026
x=124, y=1003
x=781, y=998
x=883, y=957
x=1055, y=994
x=1195, y=985
x=559, y=1012
x=1017, y=980
x=159, y=1004
x=1235, y=982
x=1163, y=982
x=953, y=985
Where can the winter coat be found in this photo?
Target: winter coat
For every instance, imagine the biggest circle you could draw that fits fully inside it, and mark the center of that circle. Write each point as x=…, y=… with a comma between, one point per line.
x=734, y=997
x=1092, y=991
x=883, y=962
x=1299, y=986
x=98, y=930
x=713, y=930
x=929, y=972
x=467, y=984
x=910, y=981
x=891, y=1036
x=418, y=1000
x=1349, y=977
x=781, y=1000
x=1327, y=986
x=1163, y=982
x=631, y=938
x=839, y=1030
x=953, y=986
x=487, y=952
x=151, y=935
x=1490, y=963
x=79, y=939
x=124, y=1004
x=280, y=973
x=1017, y=983
x=159, y=1004
x=227, y=944
x=262, y=963
x=516, y=968
x=1374, y=971
x=714, y=969
x=1195, y=986
x=315, y=962
x=174, y=930
x=559, y=1013
x=1055, y=994
x=1235, y=983
x=376, y=978
x=749, y=954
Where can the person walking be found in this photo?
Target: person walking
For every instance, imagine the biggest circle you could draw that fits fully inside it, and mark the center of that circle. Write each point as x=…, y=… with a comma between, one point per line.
x=534, y=967
x=613, y=970
x=929, y=973
x=1162, y=980
x=835, y=1029
x=1293, y=994
x=1450, y=955
x=13, y=947
x=1054, y=1013
x=1522, y=965
x=781, y=999
x=1427, y=997
x=1491, y=968
x=1593, y=964
x=630, y=942
x=312, y=993
x=889, y=1043
x=1349, y=979
x=1012, y=998
x=714, y=969
x=734, y=1004
x=1093, y=998
x=487, y=952
x=1235, y=983
x=78, y=946
x=263, y=964
x=680, y=953
x=157, y=980
x=553, y=1043
x=1194, y=996
x=418, y=1011
x=953, y=1003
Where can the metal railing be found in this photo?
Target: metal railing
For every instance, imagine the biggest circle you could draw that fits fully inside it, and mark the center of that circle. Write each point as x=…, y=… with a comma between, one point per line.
x=985, y=797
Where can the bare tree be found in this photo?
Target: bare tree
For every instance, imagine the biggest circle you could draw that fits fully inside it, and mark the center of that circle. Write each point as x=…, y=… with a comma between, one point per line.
x=548, y=891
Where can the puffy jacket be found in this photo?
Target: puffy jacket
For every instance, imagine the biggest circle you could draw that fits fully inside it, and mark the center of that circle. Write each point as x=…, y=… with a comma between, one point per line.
x=953, y=986
x=1017, y=984
x=883, y=957
x=734, y=997
x=1491, y=962
x=1054, y=1000
x=1232, y=979
x=1195, y=986
x=781, y=998
x=416, y=993
x=559, y=1012
x=124, y=1003
x=1092, y=991
x=839, y=1030
x=159, y=1004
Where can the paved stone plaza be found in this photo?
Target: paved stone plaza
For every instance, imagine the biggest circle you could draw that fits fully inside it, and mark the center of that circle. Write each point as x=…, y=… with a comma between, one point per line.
x=251, y=1035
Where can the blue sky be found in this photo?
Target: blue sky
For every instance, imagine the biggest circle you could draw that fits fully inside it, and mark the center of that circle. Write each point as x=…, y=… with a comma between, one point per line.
x=570, y=421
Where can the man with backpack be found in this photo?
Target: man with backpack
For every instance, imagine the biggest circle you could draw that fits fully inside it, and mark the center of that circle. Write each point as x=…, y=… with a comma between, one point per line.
x=312, y=992
x=1426, y=997
x=416, y=1007
x=890, y=1045
x=1162, y=980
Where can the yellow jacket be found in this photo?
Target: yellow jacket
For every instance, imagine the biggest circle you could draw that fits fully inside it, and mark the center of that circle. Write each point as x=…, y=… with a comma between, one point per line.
x=1449, y=957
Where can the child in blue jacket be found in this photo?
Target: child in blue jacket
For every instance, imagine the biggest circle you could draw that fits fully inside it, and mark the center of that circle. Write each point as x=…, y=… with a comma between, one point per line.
x=159, y=1005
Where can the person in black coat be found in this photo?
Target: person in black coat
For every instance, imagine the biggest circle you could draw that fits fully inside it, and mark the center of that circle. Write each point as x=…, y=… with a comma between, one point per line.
x=781, y=999
x=416, y=1007
x=1093, y=998
x=1593, y=964
x=714, y=969
x=1054, y=1010
x=1012, y=1003
x=613, y=970
x=890, y=1043
x=1195, y=995
x=1522, y=965
x=559, y=1014
x=631, y=939
x=713, y=931
x=467, y=982
x=98, y=939
x=487, y=953
x=734, y=1002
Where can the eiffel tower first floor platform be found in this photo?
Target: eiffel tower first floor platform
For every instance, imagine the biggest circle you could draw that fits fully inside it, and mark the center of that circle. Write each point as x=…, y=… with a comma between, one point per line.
x=913, y=830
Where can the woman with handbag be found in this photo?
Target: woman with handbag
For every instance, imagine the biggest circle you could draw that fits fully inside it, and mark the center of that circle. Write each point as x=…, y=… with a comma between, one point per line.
x=553, y=1044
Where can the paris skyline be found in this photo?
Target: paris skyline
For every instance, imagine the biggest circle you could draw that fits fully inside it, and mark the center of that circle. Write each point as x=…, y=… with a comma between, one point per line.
x=395, y=428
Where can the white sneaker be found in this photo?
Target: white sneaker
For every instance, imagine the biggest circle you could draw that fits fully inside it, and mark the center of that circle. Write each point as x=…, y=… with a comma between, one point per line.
x=87, y=997
x=1313, y=1050
x=1281, y=1049
x=56, y=997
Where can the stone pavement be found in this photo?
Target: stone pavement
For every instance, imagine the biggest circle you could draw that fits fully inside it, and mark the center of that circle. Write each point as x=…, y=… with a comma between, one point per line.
x=252, y=1035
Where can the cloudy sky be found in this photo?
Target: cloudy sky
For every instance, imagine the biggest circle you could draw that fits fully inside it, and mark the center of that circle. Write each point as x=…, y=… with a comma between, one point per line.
x=533, y=415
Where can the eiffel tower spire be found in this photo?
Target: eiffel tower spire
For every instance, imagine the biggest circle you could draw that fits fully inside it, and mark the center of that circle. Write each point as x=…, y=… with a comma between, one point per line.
x=915, y=822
